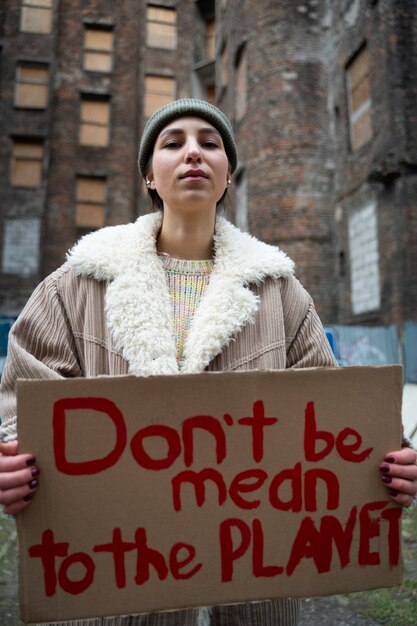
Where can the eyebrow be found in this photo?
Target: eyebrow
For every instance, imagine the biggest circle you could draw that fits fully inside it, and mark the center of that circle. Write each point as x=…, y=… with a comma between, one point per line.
x=180, y=131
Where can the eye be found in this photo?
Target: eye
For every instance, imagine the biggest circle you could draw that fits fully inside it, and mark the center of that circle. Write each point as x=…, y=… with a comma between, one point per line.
x=209, y=144
x=172, y=144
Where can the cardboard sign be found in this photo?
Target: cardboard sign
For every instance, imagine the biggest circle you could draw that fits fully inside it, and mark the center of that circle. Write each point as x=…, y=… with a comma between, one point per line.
x=177, y=491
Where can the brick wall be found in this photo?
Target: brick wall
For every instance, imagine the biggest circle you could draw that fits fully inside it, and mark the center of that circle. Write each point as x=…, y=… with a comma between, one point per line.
x=284, y=137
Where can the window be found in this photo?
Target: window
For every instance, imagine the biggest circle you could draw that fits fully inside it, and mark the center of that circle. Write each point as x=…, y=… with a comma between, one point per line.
x=21, y=246
x=242, y=202
x=359, y=95
x=90, y=201
x=211, y=39
x=98, y=49
x=36, y=16
x=161, y=29
x=241, y=86
x=31, y=86
x=94, y=121
x=159, y=90
x=224, y=68
x=364, y=260
x=26, y=167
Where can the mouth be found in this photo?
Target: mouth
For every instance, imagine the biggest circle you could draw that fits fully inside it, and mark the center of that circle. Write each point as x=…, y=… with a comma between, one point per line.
x=194, y=175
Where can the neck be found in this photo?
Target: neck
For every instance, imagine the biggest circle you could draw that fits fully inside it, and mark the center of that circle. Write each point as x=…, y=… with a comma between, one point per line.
x=190, y=238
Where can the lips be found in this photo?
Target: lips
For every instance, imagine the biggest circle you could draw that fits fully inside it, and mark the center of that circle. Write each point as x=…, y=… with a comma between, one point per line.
x=194, y=173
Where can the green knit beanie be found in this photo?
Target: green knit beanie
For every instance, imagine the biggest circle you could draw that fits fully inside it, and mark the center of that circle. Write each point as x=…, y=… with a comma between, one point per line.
x=182, y=108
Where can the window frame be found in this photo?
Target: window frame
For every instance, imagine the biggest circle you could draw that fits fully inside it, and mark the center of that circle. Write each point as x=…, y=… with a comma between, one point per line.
x=150, y=21
x=19, y=81
x=89, y=98
x=366, y=107
x=33, y=158
x=146, y=110
x=27, y=6
x=104, y=52
x=85, y=201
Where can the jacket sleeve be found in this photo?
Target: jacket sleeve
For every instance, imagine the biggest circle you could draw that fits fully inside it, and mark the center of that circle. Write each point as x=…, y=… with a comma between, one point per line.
x=306, y=341
x=41, y=346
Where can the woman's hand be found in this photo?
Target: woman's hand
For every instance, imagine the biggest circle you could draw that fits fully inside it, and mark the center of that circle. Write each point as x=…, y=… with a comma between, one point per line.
x=18, y=478
x=399, y=474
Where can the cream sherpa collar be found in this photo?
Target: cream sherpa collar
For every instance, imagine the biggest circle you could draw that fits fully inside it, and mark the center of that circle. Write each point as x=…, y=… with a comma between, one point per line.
x=137, y=300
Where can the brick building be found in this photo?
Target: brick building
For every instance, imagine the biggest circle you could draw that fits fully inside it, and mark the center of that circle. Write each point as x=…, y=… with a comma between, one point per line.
x=372, y=100
x=322, y=99
x=78, y=80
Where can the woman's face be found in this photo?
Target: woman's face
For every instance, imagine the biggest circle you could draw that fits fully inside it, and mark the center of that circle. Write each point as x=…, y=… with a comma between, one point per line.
x=189, y=164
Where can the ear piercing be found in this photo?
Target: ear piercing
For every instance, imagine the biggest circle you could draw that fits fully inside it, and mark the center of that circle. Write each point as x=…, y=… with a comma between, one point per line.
x=229, y=182
x=148, y=182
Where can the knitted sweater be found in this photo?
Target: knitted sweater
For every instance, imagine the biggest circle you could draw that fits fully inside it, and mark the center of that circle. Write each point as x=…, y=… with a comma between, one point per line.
x=187, y=281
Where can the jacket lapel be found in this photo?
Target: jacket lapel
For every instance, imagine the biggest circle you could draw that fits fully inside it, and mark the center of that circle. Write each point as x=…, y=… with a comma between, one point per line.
x=138, y=305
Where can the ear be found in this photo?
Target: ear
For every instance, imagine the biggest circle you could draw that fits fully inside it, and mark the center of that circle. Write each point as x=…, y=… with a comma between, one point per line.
x=150, y=183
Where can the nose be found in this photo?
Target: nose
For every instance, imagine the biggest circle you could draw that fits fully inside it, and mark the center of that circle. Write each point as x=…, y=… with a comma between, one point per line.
x=193, y=152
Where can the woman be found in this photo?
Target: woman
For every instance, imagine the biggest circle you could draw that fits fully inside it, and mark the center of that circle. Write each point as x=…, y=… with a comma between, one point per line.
x=179, y=291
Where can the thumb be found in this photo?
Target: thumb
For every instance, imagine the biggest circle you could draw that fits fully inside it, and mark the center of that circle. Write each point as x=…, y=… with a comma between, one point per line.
x=9, y=448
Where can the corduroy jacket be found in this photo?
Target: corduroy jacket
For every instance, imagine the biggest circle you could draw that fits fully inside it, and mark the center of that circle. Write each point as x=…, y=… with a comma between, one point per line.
x=107, y=311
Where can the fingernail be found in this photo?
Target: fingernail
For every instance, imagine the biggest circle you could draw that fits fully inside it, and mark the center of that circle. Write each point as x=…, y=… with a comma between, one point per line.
x=28, y=497
x=384, y=469
x=33, y=483
x=35, y=471
x=31, y=461
x=389, y=459
x=386, y=479
x=393, y=492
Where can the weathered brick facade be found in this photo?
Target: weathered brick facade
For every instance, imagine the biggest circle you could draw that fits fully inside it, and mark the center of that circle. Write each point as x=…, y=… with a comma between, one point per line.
x=284, y=136
x=383, y=170
x=305, y=187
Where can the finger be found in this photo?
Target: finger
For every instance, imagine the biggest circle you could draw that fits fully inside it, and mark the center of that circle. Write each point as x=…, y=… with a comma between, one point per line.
x=407, y=487
x=408, y=472
x=400, y=498
x=16, y=507
x=9, y=497
x=404, y=456
x=15, y=463
x=12, y=480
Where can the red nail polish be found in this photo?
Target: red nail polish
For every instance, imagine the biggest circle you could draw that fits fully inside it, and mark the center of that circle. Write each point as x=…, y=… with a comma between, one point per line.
x=35, y=471
x=28, y=497
x=393, y=492
x=386, y=479
x=384, y=469
x=33, y=483
x=389, y=459
x=31, y=461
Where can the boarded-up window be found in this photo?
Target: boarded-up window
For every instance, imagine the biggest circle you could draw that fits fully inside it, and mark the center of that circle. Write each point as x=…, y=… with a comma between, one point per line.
x=36, y=16
x=31, y=90
x=241, y=87
x=161, y=31
x=359, y=94
x=94, y=121
x=98, y=49
x=364, y=259
x=211, y=94
x=26, y=166
x=211, y=39
x=90, y=202
x=224, y=62
x=159, y=90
